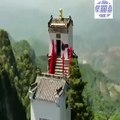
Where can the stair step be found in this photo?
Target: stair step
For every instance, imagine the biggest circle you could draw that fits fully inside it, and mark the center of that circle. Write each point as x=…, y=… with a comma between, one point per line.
x=62, y=64
x=58, y=70
x=60, y=59
x=61, y=74
x=59, y=63
x=67, y=72
x=56, y=73
x=60, y=67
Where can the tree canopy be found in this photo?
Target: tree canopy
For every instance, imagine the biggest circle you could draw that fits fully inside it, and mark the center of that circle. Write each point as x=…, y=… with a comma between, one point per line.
x=80, y=110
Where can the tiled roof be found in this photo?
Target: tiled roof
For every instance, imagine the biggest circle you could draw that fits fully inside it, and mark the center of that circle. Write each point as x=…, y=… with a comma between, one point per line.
x=47, y=88
x=58, y=21
x=64, y=22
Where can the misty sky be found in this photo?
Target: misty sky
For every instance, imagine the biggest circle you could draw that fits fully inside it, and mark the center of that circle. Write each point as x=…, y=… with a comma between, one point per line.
x=24, y=19
x=13, y=13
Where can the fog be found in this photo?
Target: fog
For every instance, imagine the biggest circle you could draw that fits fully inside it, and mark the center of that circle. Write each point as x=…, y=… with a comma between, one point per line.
x=26, y=19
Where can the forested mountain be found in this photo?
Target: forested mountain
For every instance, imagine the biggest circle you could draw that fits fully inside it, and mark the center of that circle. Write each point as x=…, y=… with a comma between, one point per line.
x=102, y=93
x=91, y=37
x=21, y=47
x=40, y=47
x=108, y=61
x=16, y=74
x=9, y=101
x=18, y=65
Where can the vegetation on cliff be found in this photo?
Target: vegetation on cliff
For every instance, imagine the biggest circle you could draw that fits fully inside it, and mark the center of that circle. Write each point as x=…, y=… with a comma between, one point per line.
x=80, y=109
x=91, y=93
x=16, y=74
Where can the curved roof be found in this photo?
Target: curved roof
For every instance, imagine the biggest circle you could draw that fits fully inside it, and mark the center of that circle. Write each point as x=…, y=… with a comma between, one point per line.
x=60, y=22
x=48, y=87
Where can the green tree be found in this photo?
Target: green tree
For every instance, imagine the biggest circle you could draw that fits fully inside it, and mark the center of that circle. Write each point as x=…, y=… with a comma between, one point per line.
x=11, y=107
x=80, y=110
x=23, y=46
x=27, y=74
x=116, y=116
x=100, y=116
x=42, y=62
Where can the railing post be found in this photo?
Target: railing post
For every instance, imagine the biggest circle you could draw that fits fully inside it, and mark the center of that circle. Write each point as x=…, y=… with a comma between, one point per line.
x=63, y=63
x=52, y=60
x=71, y=53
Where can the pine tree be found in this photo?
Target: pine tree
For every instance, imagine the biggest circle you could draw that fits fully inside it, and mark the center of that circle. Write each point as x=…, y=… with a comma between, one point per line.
x=80, y=111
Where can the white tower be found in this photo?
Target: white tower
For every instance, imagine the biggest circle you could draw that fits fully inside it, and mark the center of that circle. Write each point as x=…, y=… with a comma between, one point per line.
x=61, y=35
x=48, y=94
x=60, y=45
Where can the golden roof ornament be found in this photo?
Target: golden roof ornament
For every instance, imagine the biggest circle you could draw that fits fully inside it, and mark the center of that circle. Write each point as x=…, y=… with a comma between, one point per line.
x=61, y=13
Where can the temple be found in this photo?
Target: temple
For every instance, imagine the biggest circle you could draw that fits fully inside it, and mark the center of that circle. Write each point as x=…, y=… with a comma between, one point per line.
x=60, y=45
x=48, y=93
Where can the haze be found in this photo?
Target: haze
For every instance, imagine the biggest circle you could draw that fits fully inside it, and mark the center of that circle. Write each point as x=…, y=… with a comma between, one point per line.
x=26, y=19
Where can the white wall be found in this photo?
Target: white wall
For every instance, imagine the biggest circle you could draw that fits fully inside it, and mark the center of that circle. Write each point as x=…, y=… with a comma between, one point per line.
x=50, y=110
x=46, y=110
x=52, y=37
x=64, y=39
x=70, y=36
x=68, y=113
x=65, y=112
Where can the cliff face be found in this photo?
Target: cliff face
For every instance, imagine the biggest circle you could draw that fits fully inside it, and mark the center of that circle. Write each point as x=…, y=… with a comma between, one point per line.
x=11, y=107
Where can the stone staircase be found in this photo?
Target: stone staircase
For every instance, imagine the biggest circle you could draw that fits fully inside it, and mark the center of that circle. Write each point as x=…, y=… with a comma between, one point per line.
x=59, y=67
